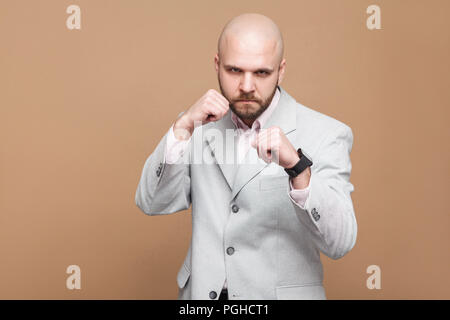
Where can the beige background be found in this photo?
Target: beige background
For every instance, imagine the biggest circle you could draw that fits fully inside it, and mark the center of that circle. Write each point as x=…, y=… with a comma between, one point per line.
x=81, y=110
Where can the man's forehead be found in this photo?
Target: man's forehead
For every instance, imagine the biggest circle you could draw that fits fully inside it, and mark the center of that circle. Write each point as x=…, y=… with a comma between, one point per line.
x=250, y=45
x=250, y=57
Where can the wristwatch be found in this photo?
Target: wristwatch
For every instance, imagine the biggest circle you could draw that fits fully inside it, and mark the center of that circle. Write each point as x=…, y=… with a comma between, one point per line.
x=304, y=162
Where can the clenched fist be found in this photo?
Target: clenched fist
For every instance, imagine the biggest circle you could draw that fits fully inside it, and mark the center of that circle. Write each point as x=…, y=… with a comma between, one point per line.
x=212, y=106
x=273, y=146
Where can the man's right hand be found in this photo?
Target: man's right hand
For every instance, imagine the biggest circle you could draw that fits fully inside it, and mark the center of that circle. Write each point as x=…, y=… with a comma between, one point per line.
x=212, y=106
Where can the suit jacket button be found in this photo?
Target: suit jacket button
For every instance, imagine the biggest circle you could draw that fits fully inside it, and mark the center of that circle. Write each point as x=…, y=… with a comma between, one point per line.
x=315, y=214
x=213, y=295
x=235, y=208
x=230, y=251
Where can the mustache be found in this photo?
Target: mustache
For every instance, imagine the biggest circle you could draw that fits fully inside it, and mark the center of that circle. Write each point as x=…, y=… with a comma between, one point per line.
x=245, y=98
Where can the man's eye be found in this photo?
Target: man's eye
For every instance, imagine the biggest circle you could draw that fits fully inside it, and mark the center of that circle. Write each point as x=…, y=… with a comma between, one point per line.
x=262, y=72
x=234, y=70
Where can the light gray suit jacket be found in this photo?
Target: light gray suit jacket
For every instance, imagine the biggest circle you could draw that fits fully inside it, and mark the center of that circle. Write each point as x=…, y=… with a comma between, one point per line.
x=275, y=243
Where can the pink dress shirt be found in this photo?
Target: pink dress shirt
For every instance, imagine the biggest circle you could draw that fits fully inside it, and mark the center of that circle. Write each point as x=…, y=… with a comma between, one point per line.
x=175, y=148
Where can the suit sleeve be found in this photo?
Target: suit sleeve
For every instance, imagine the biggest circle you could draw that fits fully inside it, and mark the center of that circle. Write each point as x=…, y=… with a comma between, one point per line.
x=328, y=212
x=175, y=148
x=164, y=187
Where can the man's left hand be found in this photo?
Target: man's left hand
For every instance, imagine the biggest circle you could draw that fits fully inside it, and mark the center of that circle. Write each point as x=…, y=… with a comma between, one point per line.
x=273, y=146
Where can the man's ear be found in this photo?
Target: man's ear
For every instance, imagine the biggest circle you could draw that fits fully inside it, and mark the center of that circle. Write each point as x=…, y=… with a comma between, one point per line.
x=216, y=62
x=281, y=70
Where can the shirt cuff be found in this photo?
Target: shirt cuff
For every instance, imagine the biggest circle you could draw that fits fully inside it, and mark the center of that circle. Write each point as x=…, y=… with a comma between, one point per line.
x=174, y=148
x=299, y=195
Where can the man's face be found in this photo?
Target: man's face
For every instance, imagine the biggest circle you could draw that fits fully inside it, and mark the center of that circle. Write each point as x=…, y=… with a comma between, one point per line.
x=248, y=71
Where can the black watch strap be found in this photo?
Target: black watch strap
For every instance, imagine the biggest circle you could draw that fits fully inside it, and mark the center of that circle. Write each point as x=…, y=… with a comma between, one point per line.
x=301, y=165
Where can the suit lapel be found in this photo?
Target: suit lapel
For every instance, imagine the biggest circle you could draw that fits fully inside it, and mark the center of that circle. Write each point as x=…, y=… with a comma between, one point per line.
x=219, y=142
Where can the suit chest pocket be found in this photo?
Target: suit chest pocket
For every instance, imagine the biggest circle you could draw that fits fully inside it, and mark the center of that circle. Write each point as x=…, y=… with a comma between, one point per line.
x=273, y=183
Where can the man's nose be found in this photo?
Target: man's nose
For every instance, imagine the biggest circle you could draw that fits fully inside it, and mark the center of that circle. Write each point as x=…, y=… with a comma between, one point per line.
x=247, y=83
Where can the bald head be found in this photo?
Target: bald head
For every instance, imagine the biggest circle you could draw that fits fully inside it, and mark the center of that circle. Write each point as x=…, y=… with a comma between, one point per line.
x=249, y=64
x=252, y=31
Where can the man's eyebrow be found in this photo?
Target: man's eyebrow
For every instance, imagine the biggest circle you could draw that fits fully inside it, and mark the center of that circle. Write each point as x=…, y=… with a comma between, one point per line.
x=269, y=70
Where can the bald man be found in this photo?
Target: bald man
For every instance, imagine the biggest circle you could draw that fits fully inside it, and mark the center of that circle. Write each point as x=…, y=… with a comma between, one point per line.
x=268, y=181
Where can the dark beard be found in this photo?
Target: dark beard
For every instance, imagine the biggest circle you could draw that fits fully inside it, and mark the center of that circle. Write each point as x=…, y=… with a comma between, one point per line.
x=252, y=116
